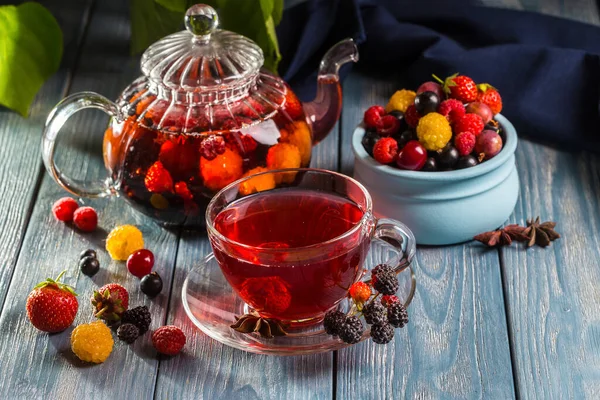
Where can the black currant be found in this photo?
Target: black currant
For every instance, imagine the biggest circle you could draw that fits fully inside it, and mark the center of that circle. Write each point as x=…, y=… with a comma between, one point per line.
x=427, y=102
x=88, y=252
x=151, y=284
x=369, y=140
x=448, y=157
x=89, y=265
x=430, y=165
x=466, y=162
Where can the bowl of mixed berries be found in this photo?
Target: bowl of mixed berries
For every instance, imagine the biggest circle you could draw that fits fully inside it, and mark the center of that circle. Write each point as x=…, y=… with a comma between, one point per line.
x=440, y=159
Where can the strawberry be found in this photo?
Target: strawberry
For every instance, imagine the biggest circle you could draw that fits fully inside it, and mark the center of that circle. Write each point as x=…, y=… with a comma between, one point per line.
x=158, y=179
x=487, y=94
x=110, y=302
x=385, y=150
x=51, y=305
x=459, y=87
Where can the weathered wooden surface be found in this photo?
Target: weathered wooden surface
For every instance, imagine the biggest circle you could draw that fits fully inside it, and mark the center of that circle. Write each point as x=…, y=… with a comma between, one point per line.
x=458, y=344
x=553, y=294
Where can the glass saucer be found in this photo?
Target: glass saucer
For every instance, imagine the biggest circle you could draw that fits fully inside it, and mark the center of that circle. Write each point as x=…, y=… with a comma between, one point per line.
x=212, y=305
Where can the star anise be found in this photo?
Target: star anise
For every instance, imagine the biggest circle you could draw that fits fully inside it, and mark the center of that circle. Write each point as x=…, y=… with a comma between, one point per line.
x=503, y=236
x=540, y=234
x=253, y=322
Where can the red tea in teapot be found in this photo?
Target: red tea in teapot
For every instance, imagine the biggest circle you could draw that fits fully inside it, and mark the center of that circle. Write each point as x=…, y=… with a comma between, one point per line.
x=172, y=162
x=296, y=285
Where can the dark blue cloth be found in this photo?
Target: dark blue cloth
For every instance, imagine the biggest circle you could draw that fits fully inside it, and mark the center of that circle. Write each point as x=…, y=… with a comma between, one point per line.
x=547, y=69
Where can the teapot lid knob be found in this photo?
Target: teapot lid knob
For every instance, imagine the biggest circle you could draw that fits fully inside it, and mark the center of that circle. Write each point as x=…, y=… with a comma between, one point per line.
x=201, y=20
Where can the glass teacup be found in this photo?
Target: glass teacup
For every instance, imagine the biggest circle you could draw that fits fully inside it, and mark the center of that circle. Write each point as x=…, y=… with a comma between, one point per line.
x=292, y=242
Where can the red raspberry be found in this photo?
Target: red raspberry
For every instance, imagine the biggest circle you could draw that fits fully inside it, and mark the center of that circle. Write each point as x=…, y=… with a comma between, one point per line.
x=158, y=179
x=412, y=116
x=385, y=150
x=64, y=208
x=292, y=106
x=389, y=299
x=212, y=146
x=248, y=144
x=360, y=292
x=388, y=125
x=85, y=219
x=179, y=158
x=182, y=190
x=373, y=116
x=469, y=123
x=452, y=109
x=465, y=143
x=168, y=340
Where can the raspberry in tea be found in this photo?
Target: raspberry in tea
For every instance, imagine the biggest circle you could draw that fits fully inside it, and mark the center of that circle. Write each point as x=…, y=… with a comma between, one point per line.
x=279, y=275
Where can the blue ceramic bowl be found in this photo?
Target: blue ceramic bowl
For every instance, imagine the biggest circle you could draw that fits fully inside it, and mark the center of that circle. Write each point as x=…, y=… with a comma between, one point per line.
x=443, y=207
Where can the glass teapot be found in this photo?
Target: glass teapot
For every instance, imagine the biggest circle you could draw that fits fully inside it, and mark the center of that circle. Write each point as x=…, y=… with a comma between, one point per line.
x=204, y=114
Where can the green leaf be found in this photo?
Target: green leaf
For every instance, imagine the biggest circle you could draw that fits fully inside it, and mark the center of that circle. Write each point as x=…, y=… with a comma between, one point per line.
x=254, y=19
x=277, y=11
x=150, y=21
x=174, y=5
x=31, y=46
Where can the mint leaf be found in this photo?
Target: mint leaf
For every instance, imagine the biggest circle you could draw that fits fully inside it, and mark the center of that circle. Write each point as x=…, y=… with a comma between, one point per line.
x=175, y=5
x=256, y=19
x=31, y=46
x=151, y=21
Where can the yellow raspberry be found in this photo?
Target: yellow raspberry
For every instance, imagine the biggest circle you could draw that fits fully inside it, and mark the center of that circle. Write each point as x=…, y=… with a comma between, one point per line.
x=124, y=240
x=401, y=100
x=284, y=155
x=300, y=137
x=434, y=131
x=92, y=342
x=258, y=183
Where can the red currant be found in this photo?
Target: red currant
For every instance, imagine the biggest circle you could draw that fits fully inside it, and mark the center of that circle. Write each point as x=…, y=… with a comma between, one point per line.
x=412, y=156
x=140, y=262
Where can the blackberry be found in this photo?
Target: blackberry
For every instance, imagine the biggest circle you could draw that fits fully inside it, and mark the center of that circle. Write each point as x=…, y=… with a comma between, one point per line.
x=138, y=316
x=375, y=313
x=351, y=330
x=333, y=321
x=397, y=315
x=128, y=333
x=384, y=279
x=382, y=334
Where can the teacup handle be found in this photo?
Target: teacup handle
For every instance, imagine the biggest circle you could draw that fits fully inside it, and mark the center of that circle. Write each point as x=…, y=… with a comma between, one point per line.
x=399, y=236
x=57, y=118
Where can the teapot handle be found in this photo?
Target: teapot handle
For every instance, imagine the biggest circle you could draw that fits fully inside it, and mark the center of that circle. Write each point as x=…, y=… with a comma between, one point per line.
x=56, y=119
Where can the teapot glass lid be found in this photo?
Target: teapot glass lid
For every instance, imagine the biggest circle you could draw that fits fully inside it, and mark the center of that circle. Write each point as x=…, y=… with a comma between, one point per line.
x=203, y=57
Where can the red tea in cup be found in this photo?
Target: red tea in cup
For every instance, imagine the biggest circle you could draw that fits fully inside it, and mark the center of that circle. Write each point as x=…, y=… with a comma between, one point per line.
x=292, y=253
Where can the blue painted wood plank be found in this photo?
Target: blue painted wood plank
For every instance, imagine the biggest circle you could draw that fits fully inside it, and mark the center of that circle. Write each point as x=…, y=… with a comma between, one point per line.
x=211, y=370
x=456, y=345
x=552, y=294
x=20, y=163
x=43, y=365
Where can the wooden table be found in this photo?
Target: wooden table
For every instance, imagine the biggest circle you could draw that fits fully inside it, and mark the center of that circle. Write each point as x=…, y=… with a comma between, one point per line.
x=484, y=323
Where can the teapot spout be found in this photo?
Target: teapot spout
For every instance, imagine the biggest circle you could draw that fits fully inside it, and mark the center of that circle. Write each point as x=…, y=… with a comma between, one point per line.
x=324, y=111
